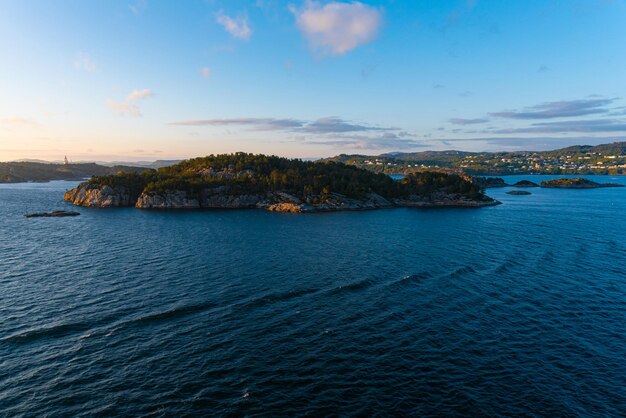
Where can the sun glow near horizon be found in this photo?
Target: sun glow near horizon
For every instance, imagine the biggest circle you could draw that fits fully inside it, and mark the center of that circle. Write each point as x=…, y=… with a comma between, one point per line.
x=305, y=79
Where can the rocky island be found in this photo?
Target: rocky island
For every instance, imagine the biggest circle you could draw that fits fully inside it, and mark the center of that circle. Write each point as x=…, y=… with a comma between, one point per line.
x=241, y=180
x=576, y=183
x=489, y=182
x=53, y=214
x=525, y=183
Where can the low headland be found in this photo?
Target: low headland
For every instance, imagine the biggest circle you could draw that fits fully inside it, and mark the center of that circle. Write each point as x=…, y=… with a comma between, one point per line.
x=241, y=180
x=41, y=172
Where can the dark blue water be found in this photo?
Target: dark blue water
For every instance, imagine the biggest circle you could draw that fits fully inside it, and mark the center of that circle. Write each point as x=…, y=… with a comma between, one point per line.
x=518, y=309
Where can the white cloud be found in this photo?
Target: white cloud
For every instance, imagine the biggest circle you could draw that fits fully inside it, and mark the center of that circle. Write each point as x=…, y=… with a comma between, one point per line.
x=139, y=94
x=124, y=109
x=83, y=61
x=237, y=27
x=205, y=72
x=336, y=28
x=127, y=107
x=138, y=7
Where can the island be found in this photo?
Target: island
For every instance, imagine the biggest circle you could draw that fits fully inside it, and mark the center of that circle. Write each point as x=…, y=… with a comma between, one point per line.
x=576, y=183
x=525, y=183
x=242, y=180
x=518, y=192
x=53, y=214
x=489, y=182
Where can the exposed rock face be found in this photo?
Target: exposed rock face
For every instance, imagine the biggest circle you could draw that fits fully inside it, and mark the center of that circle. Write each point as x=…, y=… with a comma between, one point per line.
x=288, y=207
x=172, y=200
x=209, y=199
x=103, y=197
x=224, y=198
x=335, y=202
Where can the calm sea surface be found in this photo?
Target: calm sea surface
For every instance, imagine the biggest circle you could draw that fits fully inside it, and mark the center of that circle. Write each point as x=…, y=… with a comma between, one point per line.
x=509, y=310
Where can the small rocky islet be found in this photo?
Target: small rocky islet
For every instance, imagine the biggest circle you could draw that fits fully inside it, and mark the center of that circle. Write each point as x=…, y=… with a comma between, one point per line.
x=52, y=214
x=241, y=180
x=525, y=183
x=576, y=183
x=518, y=192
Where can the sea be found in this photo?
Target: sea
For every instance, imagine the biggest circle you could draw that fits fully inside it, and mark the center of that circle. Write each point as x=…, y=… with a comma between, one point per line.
x=513, y=310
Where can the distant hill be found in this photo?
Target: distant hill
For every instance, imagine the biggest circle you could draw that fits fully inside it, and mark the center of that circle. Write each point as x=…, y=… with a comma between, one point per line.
x=578, y=159
x=149, y=164
x=16, y=172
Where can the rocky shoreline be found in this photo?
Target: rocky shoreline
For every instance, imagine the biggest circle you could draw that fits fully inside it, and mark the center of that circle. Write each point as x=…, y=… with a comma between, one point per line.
x=221, y=198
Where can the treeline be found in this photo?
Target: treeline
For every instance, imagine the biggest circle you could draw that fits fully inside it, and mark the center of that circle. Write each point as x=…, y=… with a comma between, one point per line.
x=17, y=172
x=249, y=173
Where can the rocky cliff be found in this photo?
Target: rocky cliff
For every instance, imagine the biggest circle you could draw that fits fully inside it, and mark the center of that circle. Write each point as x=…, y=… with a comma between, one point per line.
x=179, y=200
x=223, y=198
x=101, y=197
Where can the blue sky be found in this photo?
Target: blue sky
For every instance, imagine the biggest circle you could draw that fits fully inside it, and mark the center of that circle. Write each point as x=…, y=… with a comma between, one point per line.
x=155, y=79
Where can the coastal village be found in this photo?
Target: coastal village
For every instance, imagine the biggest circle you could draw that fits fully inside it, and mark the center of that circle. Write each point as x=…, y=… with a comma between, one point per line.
x=603, y=159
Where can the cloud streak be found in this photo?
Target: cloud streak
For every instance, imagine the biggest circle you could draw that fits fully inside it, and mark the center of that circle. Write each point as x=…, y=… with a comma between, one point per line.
x=560, y=109
x=334, y=124
x=462, y=121
x=337, y=28
x=330, y=131
x=321, y=126
x=586, y=126
x=257, y=124
x=383, y=141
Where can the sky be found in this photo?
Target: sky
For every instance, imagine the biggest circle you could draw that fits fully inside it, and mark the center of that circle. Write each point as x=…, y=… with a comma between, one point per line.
x=140, y=80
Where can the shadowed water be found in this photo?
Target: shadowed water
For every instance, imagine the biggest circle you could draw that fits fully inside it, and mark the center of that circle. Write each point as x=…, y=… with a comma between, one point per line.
x=514, y=309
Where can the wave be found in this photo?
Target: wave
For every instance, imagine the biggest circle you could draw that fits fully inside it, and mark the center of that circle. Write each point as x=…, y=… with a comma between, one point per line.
x=170, y=314
x=277, y=297
x=413, y=278
x=351, y=287
x=507, y=265
x=460, y=272
x=46, y=332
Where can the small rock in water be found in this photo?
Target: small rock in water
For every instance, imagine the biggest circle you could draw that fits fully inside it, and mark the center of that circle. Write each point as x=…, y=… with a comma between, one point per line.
x=518, y=192
x=53, y=214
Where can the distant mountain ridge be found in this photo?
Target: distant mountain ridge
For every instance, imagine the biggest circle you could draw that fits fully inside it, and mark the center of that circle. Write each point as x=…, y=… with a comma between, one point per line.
x=148, y=164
